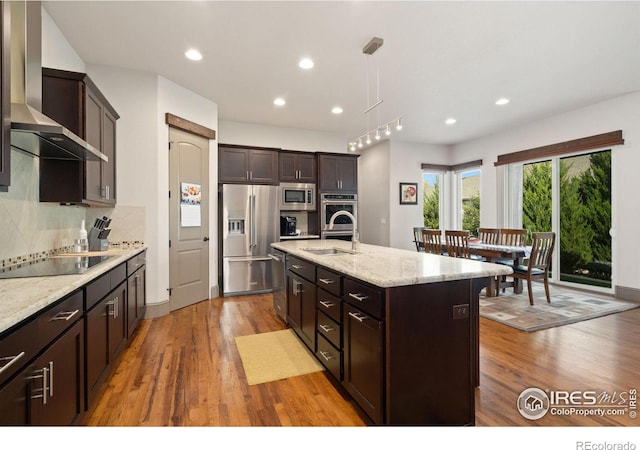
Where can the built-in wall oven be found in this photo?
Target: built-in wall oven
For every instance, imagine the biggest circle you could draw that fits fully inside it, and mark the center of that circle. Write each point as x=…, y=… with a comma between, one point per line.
x=330, y=203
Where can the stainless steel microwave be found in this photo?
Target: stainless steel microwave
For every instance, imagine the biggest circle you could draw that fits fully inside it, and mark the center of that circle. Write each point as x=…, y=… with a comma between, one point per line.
x=297, y=197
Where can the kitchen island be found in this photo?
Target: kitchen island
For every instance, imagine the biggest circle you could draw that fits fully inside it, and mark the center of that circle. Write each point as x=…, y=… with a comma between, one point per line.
x=397, y=329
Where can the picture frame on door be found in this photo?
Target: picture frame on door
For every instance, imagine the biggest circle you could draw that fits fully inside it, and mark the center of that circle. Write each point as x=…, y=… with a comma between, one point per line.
x=408, y=193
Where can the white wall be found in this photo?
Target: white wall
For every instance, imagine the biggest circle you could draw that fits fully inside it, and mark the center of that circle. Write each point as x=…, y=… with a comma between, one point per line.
x=373, y=190
x=257, y=135
x=622, y=113
x=56, y=51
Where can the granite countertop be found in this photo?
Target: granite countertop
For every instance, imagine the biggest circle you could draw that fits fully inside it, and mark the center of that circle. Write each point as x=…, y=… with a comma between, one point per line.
x=20, y=298
x=390, y=267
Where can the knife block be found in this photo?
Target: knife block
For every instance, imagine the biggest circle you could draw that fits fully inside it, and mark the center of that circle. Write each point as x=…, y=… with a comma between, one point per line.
x=95, y=243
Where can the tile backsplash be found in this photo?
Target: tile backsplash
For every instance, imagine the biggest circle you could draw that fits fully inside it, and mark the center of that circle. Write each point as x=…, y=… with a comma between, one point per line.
x=32, y=229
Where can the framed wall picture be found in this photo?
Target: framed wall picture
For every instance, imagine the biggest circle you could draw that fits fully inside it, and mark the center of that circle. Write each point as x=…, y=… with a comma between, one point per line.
x=408, y=193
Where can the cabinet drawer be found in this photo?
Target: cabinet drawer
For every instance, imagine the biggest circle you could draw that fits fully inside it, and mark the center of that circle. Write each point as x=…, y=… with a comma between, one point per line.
x=367, y=298
x=118, y=275
x=330, y=329
x=330, y=281
x=97, y=290
x=329, y=357
x=57, y=319
x=17, y=348
x=301, y=267
x=136, y=262
x=330, y=305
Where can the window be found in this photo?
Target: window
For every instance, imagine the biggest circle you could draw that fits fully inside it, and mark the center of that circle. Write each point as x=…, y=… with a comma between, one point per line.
x=432, y=199
x=469, y=200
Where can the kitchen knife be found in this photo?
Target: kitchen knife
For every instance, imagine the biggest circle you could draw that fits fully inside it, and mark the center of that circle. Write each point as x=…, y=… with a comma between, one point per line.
x=104, y=233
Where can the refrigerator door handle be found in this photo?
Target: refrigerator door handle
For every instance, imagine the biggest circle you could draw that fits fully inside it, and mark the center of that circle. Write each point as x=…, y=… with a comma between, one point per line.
x=253, y=222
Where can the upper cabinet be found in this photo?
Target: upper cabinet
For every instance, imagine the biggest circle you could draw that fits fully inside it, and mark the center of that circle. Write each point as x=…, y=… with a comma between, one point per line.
x=247, y=165
x=338, y=172
x=73, y=100
x=297, y=167
x=5, y=96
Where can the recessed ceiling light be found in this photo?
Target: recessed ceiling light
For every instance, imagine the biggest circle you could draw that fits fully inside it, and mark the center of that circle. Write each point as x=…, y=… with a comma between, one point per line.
x=305, y=63
x=450, y=121
x=193, y=54
x=279, y=102
x=502, y=101
x=336, y=110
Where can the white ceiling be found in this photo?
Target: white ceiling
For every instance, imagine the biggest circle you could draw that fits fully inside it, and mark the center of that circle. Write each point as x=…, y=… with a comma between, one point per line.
x=439, y=59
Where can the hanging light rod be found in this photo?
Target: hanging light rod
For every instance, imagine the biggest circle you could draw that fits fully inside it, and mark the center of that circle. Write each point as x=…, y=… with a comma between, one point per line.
x=373, y=45
x=376, y=104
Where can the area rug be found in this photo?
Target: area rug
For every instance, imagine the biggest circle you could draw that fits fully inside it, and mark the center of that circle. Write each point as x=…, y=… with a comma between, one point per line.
x=567, y=306
x=274, y=356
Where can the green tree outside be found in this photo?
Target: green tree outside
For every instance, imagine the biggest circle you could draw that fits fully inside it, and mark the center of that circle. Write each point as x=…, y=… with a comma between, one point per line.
x=471, y=215
x=431, y=205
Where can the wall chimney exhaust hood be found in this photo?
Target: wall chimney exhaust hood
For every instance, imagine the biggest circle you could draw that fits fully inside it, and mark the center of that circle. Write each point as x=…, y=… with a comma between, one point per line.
x=31, y=131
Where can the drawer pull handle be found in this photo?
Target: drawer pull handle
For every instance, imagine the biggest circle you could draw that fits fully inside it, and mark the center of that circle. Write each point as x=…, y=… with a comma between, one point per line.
x=113, y=303
x=358, y=297
x=12, y=360
x=327, y=356
x=326, y=280
x=295, y=266
x=44, y=374
x=50, y=378
x=65, y=315
x=357, y=317
x=327, y=304
x=326, y=328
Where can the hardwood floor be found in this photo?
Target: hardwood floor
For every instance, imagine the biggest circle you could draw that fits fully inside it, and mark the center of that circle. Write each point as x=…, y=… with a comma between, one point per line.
x=184, y=370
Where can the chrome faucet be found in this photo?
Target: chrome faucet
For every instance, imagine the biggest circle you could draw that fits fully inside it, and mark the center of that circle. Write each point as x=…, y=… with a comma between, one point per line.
x=354, y=236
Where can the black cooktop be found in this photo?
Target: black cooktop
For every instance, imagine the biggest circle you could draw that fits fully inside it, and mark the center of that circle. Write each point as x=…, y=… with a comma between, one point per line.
x=55, y=265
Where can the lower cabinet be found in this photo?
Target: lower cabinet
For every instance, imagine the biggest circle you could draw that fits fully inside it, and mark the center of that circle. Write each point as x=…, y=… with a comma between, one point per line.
x=50, y=391
x=301, y=313
x=364, y=360
x=106, y=336
x=136, y=300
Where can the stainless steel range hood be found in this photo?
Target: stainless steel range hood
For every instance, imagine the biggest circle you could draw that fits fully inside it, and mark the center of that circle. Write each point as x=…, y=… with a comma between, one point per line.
x=31, y=131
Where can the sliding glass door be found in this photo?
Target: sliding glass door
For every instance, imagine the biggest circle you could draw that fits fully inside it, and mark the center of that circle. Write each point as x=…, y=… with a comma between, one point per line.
x=572, y=196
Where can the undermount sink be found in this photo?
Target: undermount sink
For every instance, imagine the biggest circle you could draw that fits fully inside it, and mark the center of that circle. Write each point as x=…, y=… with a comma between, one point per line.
x=329, y=251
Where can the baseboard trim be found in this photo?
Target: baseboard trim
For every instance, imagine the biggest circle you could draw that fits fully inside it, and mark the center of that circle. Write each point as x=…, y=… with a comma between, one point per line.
x=157, y=310
x=628, y=293
x=215, y=291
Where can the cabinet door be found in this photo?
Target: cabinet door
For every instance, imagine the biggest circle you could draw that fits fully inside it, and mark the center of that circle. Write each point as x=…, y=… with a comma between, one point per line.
x=135, y=299
x=294, y=299
x=263, y=166
x=14, y=403
x=307, y=168
x=141, y=292
x=363, y=340
x=234, y=165
x=57, y=387
x=288, y=167
x=93, y=169
x=97, y=347
x=308, y=314
x=328, y=172
x=108, y=188
x=348, y=173
x=117, y=321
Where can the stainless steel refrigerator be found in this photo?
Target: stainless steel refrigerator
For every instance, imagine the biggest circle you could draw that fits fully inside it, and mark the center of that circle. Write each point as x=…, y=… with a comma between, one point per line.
x=249, y=224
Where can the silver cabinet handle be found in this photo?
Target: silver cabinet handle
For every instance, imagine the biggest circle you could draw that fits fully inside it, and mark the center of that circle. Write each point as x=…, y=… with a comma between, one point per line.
x=297, y=287
x=357, y=317
x=12, y=360
x=327, y=356
x=326, y=328
x=327, y=304
x=50, y=378
x=65, y=315
x=42, y=373
x=295, y=266
x=113, y=303
x=326, y=280
x=358, y=297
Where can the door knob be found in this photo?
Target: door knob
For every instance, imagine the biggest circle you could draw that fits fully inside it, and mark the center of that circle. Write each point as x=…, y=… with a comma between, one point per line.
x=206, y=238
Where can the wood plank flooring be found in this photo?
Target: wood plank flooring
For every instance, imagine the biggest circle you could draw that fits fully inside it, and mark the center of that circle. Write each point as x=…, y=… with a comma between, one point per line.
x=184, y=370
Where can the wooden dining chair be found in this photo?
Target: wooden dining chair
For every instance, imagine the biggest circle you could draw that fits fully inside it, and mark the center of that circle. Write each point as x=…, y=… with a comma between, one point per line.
x=539, y=263
x=432, y=241
x=515, y=237
x=417, y=238
x=489, y=235
x=457, y=243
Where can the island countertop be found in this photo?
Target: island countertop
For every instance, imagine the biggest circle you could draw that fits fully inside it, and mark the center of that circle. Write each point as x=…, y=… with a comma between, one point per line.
x=390, y=267
x=21, y=298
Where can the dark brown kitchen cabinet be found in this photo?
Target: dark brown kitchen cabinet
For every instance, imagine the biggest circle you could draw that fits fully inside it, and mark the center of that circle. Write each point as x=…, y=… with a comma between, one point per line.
x=5, y=96
x=301, y=299
x=337, y=172
x=363, y=337
x=47, y=390
x=297, y=167
x=73, y=100
x=250, y=165
x=106, y=335
x=136, y=287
